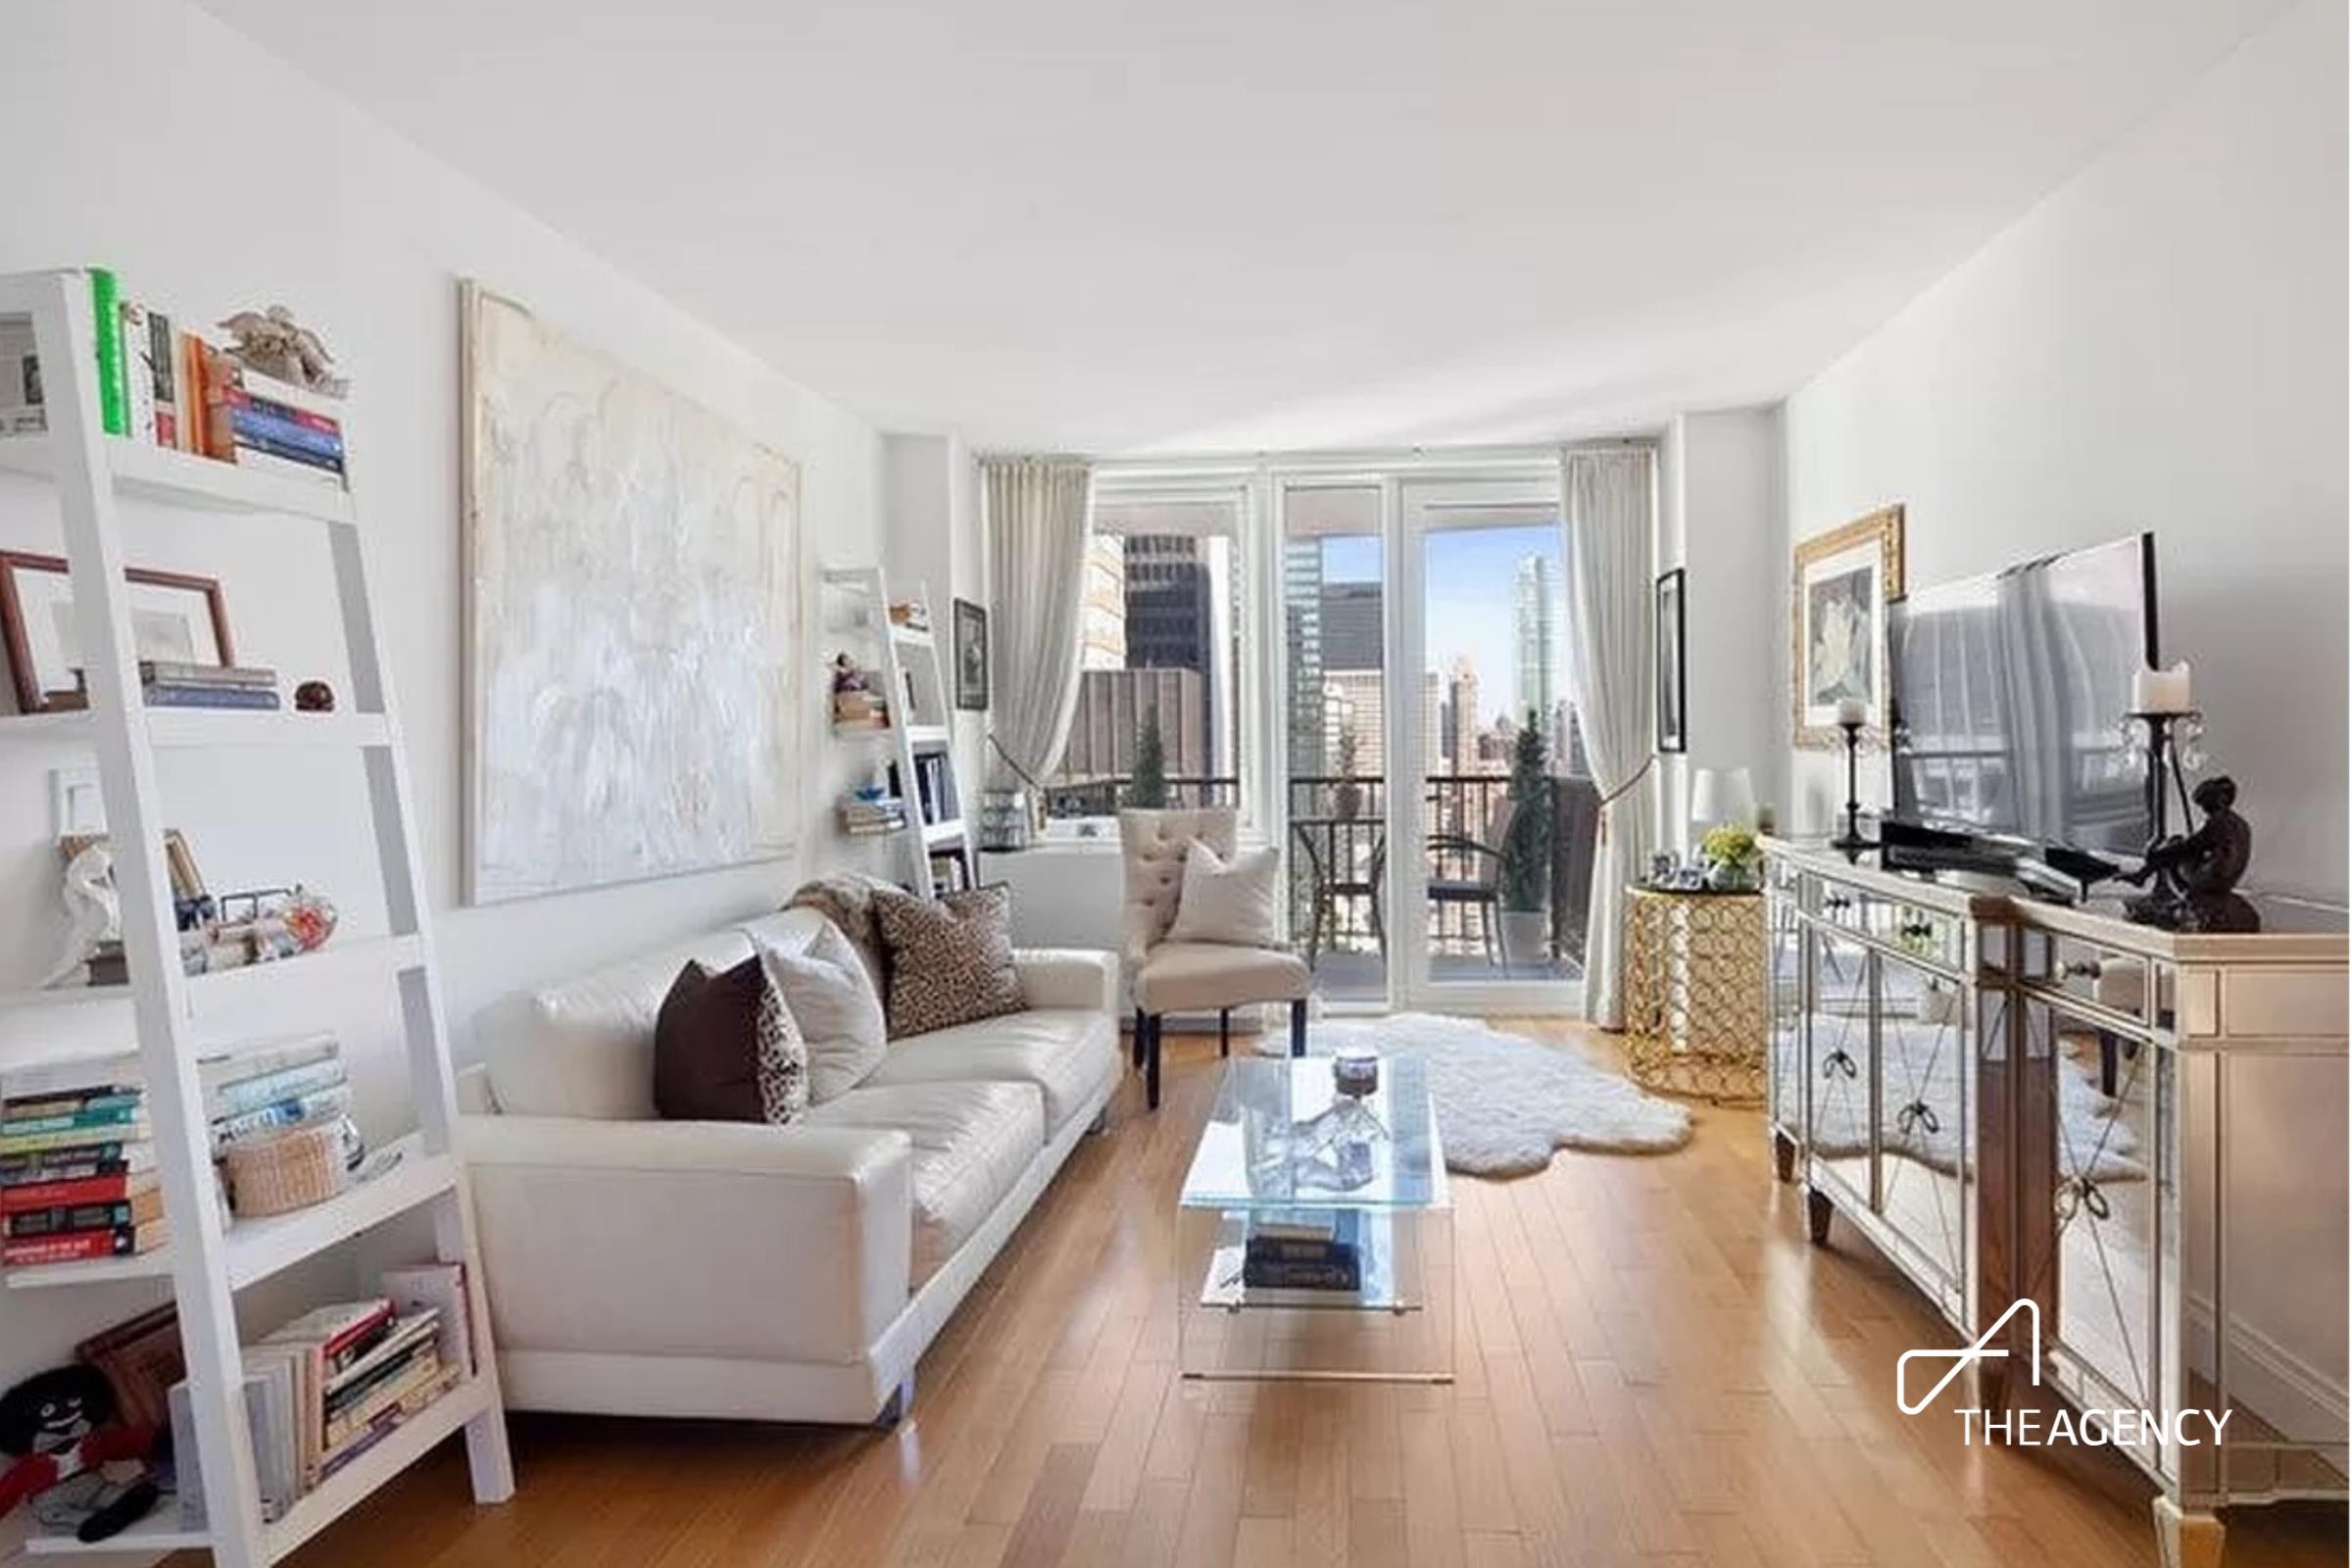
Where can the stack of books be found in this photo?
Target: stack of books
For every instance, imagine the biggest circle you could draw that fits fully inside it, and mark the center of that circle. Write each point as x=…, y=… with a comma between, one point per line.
x=862, y=817
x=333, y=1383
x=165, y=683
x=1311, y=1252
x=268, y=1086
x=258, y=421
x=163, y=386
x=77, y=1169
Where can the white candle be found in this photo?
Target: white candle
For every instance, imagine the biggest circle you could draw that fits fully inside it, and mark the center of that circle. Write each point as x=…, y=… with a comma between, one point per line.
x=1852, y=710
x=2162, y=691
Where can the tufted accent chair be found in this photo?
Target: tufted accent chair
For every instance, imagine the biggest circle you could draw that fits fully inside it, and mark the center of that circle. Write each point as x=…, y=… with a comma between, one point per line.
x=1190, y=976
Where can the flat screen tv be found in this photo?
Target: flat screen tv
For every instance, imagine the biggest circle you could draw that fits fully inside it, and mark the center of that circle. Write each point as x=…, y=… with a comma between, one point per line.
x=2007, y=694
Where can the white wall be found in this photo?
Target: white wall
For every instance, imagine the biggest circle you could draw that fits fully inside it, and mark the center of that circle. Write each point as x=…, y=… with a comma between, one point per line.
x=2160, y=344
x=932, y=540
x=1721, y=494
x=291, y=196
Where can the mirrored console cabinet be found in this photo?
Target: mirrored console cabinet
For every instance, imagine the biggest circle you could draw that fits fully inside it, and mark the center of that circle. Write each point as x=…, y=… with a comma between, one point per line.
x=2140, y=1132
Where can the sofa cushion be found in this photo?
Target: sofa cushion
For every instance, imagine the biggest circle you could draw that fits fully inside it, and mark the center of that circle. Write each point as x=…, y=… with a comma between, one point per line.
x=1205, y=976
x=726, y=1049
x=973, y=1142
x=950, y=959
x=825, y=985
x=1066, y=1053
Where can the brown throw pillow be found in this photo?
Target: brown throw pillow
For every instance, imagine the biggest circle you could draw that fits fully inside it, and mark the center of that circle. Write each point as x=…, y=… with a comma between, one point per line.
x=726, y=1049
x=950, y=961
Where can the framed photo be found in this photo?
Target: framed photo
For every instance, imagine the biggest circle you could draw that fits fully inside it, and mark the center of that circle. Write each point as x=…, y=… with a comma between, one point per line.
x=173, y=616
x=1674, y=684
x=1837, y=623
x=971, y=656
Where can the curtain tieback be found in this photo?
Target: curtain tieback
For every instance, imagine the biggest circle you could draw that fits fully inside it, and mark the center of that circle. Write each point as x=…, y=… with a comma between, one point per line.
x=1601, y=832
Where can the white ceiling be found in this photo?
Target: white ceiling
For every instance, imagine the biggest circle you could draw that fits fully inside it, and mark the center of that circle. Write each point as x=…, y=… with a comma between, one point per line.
x=1285, y=223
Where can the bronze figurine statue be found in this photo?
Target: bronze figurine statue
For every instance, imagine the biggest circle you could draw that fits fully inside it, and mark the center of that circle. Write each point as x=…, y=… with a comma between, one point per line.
x=2196, y=876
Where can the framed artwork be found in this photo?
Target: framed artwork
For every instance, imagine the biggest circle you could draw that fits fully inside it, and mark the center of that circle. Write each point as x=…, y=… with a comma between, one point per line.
x=173, y=617
x=1837, y=623
x=1674, y=685
x=971, y=656
x=633, y=621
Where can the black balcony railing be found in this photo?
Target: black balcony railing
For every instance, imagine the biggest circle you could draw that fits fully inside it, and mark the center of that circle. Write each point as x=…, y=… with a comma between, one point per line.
x=1340, y=850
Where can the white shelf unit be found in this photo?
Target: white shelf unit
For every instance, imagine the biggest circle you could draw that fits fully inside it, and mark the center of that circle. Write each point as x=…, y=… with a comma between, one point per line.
x=921, y=724
x=207, y=1260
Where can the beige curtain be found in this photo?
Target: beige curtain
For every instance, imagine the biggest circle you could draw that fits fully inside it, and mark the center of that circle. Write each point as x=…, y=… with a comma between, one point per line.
x=1036, y=515
x=1608, y=497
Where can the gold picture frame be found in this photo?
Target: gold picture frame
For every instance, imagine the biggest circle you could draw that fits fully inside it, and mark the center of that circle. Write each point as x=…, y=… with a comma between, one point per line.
x=1840, y=585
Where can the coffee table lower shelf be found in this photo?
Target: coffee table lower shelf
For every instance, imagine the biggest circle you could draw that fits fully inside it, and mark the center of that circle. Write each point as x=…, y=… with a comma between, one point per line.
x=1396, y=1327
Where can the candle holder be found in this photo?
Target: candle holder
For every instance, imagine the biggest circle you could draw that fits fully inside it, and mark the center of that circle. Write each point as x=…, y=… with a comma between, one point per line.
x=1851, y=840
x=2170, y=740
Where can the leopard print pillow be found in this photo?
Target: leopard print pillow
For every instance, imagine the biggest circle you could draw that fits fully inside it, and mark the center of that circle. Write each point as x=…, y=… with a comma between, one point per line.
x=950, y=961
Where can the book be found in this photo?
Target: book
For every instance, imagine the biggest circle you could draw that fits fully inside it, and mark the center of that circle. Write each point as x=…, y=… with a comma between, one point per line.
x=106, y=315
x=160, y=694
x=270, y=444
x=181, y=673
x=322, y=423
x=138, y=376
x=105, y=1119
x=65, y=1219
x=416, y=1373
x=20, y=410
x=27, y=1197
x=328, y=1329
x=304, y=432
x=441, y=1287
x=261, y=462
x=77, y=1247
x=389, y=1421
x=261, y=1057
x=269, y=1089
x=163, y=371
x=75, y=1138
x=265, y=387
x=384, y=1361
x=294, y=1113
x=136, y=1160
x=108, y=1099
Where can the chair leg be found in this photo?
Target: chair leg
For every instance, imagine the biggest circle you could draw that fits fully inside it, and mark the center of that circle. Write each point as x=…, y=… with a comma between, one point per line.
x=1224, y=1031
x=1135, y=1047
x=2108, y=1048
x=1152, y=1064
x=1298, y=1027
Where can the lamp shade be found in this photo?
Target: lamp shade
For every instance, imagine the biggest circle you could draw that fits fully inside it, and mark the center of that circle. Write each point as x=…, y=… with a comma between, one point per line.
x=1721, y=795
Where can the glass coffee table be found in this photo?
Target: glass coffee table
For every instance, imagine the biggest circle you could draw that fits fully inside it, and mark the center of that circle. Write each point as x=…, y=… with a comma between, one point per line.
x=1315, y=1229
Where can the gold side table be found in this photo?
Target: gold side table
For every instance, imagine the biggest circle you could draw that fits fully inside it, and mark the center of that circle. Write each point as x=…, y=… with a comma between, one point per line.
x=1695, y=993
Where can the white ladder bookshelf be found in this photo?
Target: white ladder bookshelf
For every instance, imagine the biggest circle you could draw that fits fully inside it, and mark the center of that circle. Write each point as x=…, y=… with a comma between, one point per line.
x=922, y=724
x=207, y=1259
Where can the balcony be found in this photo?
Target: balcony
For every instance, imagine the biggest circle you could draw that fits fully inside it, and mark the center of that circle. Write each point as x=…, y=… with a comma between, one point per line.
x=1337, y=858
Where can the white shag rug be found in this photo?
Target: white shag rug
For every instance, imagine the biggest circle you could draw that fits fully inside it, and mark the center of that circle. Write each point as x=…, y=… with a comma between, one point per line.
x=1503, y=1103
x=1919, y=1099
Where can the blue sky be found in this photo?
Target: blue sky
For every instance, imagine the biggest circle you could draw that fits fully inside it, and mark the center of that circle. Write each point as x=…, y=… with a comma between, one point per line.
x=1469, y=577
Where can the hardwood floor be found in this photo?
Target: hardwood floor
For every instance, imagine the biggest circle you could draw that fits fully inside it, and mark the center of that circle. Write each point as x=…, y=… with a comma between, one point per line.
x=1654, y=1368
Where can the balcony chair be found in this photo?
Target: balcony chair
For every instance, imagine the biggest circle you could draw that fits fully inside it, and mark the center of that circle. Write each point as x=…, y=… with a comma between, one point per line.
x=1482, y=886
x=1166, y=977
x=1328, y=884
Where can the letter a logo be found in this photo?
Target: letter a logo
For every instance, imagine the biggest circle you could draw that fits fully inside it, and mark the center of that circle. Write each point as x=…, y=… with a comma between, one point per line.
x=1960, y=1358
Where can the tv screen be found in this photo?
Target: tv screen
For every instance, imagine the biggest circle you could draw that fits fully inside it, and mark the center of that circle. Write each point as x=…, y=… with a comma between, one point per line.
x=2008, y=693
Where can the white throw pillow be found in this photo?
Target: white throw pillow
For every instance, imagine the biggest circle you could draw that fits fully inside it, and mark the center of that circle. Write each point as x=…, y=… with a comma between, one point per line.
x=826, y=988
x=1228, y=901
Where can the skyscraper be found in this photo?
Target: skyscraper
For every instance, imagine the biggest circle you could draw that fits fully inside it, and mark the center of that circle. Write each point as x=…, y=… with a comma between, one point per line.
x=1102, y=609
x=1351, y=619
x=1303, y=640
x=1535, y=640
x=1461, y=700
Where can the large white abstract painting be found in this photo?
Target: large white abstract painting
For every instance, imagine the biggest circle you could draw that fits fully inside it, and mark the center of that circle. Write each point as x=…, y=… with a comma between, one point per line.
x=632, y=623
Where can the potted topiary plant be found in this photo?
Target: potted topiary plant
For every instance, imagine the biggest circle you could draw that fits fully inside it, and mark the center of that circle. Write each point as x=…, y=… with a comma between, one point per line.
x=1348, y=796
x=1526, y=870
x=1148, y=789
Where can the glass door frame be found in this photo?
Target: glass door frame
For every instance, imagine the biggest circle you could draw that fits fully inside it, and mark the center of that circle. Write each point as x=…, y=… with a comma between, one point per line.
x=1409, y=501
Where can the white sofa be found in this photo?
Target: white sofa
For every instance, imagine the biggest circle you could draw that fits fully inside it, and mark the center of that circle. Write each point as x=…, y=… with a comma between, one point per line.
x=647, y=1267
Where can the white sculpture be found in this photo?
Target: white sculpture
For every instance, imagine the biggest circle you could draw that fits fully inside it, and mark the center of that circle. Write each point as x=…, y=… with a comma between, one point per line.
x=93, y=909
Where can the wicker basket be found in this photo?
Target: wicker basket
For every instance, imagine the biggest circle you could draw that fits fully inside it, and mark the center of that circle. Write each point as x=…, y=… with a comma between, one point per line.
x=289, y=1171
